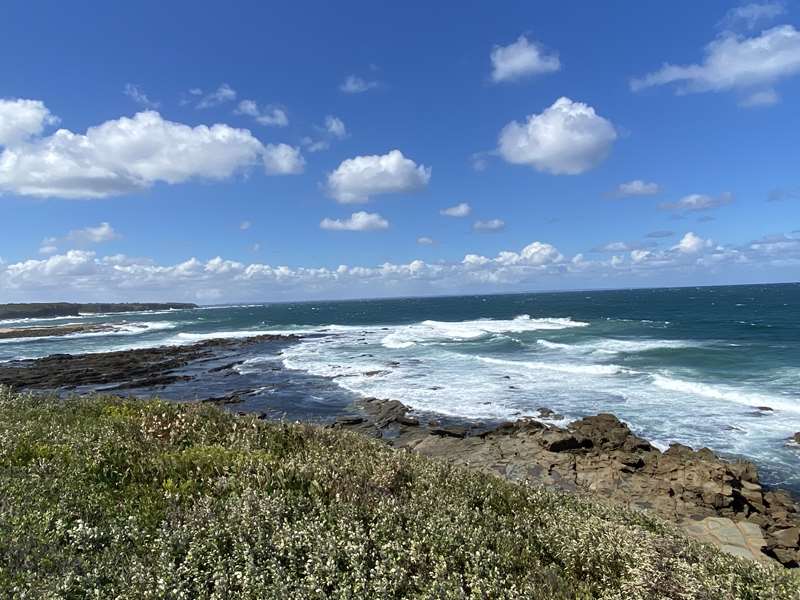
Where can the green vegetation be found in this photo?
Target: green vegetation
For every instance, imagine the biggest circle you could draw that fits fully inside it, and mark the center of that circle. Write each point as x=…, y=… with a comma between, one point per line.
x=109, y=498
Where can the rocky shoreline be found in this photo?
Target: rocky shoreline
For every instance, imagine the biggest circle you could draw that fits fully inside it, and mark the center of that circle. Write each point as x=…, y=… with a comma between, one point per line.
x=55, y=330
x=41, y=310
x=125, y=369
x=714, y=500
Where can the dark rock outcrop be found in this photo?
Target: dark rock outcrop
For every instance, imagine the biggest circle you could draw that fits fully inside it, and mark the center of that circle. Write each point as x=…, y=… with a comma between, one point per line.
x=123, y=370
x=55, y=330
x=599, y=454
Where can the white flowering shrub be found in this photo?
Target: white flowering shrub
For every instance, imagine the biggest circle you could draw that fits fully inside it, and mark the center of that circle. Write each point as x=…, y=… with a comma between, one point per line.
x=108, y=498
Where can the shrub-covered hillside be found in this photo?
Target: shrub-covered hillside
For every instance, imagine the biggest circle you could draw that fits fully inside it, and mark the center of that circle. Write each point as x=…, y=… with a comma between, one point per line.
x=109, y=498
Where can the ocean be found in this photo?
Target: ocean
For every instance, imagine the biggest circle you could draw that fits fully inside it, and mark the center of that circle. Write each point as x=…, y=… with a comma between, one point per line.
x=710, y=366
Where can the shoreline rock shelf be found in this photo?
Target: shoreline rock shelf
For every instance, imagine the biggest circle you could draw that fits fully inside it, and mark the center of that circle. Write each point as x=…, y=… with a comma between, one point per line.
x=124, y=369
x=55, y=330
x=711, y=499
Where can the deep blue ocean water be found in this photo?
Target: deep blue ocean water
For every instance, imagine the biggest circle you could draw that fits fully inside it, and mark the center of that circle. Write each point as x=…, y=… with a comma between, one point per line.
x=711, y=366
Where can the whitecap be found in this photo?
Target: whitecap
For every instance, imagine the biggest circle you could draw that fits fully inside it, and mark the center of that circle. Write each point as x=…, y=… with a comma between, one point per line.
x=554, y=345
x=726, y=394
x=577, y=369
x=455, y=331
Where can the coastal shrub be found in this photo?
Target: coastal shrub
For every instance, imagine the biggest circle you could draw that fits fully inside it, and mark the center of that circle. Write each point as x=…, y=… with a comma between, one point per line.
x=103, y=497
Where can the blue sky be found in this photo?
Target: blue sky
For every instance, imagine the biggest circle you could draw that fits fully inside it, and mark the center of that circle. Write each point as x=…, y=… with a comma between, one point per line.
x=644, y=174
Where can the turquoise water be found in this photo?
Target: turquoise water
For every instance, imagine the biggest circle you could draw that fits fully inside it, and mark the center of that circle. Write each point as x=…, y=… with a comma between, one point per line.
x=694, y=365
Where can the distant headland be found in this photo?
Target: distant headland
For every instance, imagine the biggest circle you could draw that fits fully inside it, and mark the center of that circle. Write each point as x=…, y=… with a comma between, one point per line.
x=39, y=310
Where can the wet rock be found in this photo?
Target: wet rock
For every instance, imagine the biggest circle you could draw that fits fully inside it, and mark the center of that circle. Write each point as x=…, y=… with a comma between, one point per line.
x=609, y=433
x=349, y=420
x=745, y=471
x=547, y=413
x=787, y=557
x=226, y=367
x=55, y=330
x=127, y=369
x=450, y=431
x=764, y=409
x=149, y=382
x=787, y=538
x=232, y=398
x=383, y=413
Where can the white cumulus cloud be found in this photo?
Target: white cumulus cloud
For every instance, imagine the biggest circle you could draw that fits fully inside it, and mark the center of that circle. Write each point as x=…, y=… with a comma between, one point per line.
x=21, y=119
x=733, y=62
x=355, y=180
x=490, y=225
x=269, y=115
x=282, y=159
x=520, y=59
x=698, y=202
x=753, y=14
x=425, y=240
x=135, y=93
x=224, y=93
x=85, y=276
x=356, y=85
x=358, y=221
x=129, y=154
x=692, y=243
x=637, y=187
x=93, y=235
x=98, y=234
x=462, y=209
x=335, y=127
x=566, y=138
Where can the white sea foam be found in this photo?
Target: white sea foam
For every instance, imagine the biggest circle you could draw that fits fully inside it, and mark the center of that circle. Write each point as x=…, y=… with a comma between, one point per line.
x=616, y=346
x=554, y=345
x=573, y=368
x=726, y=394
x=119, y=329
x=27, y=320
x=447, y=331
x=190, y=338
x=223, y=307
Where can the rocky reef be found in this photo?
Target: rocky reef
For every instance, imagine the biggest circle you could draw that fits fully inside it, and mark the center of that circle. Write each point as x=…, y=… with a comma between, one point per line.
x=711, y=499
x=126, y=369
x=55, y=330
x=39, y=310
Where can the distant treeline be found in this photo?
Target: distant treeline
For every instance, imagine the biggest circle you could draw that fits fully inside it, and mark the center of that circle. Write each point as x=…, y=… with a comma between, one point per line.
x=67, y=309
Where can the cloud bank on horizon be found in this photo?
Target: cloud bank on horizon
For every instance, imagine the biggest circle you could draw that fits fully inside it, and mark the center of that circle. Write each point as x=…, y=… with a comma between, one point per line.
x=81, y=273
x=622, y=171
